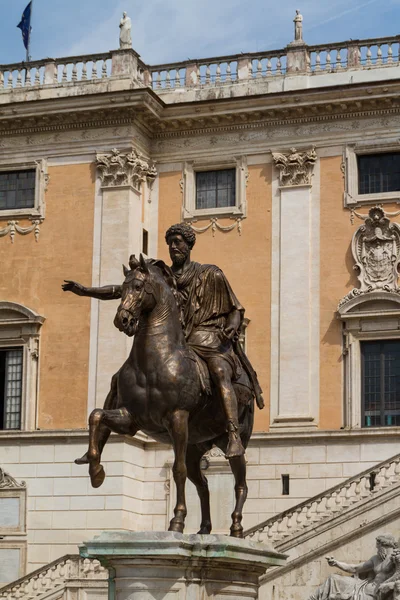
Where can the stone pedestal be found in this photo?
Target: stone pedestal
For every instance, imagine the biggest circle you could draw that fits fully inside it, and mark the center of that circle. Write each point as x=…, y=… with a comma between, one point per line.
x=297, y=58
x=167, y=565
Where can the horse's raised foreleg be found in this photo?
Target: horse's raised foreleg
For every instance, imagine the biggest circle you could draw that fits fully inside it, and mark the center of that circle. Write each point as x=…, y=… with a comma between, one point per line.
x=117, y=420
x=193, y=459
x=104, y=431
x=238, y=466
x=178, y=430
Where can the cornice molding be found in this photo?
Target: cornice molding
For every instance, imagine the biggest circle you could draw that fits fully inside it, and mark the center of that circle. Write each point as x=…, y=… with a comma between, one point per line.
x=262, y=124
x=269, y=123
x=160, y=121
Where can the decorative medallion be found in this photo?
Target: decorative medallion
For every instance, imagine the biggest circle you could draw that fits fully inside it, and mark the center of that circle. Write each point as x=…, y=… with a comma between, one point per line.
x=376, y=251
x=295, y=168
x=125, y=169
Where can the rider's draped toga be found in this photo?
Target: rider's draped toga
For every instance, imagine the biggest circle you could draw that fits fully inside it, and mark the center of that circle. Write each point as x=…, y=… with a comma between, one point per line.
x=207, y=299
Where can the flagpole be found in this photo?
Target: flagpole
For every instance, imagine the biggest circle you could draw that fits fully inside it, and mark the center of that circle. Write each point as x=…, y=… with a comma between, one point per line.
x=28, y=57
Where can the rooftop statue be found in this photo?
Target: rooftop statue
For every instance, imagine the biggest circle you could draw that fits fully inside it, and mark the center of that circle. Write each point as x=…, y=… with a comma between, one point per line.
x=298, y=27
x=187, y=379
x=371, y=579
x=125, y=38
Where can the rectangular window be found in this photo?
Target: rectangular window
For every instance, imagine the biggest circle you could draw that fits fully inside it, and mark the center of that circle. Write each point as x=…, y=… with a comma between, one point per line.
x=215, y=189
x=145, y=242
x=285, y=485
x=10, y=388
x=380, y=383
x=378, y=173
x=17, y=189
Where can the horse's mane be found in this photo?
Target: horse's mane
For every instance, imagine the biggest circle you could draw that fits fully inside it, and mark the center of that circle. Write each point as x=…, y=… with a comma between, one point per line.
x=168, y=276
x=159, y=268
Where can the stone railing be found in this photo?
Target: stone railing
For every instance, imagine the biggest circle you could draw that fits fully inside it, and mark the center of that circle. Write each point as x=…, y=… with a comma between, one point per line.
x=332, y=58
x=214, y=71
x=355, y=54
x=58, y=71
x=58, y=574
x=218, y=70
x=323, y=507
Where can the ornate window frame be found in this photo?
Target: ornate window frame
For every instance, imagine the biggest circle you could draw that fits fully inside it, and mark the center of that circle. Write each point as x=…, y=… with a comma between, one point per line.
x=41, y=182
x=188, y=186
x=373, y=316
x=352, y=198
x=15, y=537
x=20, y=328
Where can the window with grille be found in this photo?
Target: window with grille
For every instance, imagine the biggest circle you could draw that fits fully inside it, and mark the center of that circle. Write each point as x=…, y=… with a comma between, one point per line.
x=215, y=189
x=17, y=189
x=11, y=361
x=380, y=383
x=378, y=173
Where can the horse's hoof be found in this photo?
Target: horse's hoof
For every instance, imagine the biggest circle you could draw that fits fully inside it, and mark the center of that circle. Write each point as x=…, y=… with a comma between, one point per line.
x=177, y=526
x=237, y=531
x=204, y=531
x=83, y=460
x=97, y=475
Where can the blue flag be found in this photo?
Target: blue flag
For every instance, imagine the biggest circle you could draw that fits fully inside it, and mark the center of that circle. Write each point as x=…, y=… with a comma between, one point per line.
x=25, y=24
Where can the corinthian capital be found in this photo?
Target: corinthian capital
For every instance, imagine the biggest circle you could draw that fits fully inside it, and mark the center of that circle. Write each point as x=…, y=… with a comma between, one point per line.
x=295, y=168
x=125, y=169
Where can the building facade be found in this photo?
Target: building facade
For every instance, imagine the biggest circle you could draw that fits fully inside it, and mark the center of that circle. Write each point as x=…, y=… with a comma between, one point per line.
x=277, y=160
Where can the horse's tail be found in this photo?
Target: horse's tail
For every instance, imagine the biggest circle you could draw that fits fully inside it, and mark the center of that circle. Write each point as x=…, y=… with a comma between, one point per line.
x=252, y=375
x=246, y=421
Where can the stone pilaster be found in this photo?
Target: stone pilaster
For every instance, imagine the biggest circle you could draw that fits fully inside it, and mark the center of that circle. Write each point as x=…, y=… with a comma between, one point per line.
x=294, y=401
x=123, y=176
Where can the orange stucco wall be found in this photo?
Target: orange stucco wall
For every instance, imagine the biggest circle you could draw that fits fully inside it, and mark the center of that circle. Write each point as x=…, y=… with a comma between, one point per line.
x=32, y=274
x=245, y=259
x=337, y=278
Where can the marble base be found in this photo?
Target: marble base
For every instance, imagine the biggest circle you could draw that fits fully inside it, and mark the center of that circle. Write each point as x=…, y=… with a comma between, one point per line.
x=168, y=565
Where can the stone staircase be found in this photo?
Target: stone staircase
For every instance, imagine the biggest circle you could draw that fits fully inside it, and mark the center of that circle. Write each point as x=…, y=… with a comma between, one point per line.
x=66, y=578
x=286, y=526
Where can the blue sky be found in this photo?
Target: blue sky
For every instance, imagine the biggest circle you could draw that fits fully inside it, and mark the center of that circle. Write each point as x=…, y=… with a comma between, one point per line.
x=171, y=30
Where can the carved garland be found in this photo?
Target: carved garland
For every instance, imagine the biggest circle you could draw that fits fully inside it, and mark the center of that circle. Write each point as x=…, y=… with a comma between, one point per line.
x=214, y=225
x=13, y=227
x=376, y=252
x=125, y=169
x=295, y=168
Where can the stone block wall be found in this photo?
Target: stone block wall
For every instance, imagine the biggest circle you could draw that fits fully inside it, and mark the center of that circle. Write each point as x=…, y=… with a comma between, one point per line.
x=138, y=494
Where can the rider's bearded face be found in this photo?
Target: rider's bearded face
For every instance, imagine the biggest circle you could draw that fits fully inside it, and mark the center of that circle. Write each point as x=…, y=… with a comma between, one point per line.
x=178, y=250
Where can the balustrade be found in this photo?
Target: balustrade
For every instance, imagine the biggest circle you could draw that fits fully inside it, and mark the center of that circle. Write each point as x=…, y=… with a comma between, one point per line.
x=59, y=71
x=331, y=502
x=217, y=71
x=53, y=576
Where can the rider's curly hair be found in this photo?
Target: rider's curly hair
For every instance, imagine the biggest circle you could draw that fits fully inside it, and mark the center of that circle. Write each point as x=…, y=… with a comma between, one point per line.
x=185, y=231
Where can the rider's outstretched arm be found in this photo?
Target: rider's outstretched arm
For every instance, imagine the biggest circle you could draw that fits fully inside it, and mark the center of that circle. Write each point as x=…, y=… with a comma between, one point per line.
x=107, y=292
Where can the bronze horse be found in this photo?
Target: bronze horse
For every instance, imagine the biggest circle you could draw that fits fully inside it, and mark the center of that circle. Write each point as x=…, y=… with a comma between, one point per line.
x=160, y=392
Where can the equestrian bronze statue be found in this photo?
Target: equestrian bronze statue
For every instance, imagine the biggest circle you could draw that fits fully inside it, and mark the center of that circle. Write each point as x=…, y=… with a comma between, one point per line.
x=187, y=379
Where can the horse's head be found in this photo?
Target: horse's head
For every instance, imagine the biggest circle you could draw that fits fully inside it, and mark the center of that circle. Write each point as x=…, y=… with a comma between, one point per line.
x=138, y=296
x=146, y=284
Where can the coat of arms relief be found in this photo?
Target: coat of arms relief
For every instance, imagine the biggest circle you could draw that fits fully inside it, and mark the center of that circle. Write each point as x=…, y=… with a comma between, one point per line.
x=376, y=252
